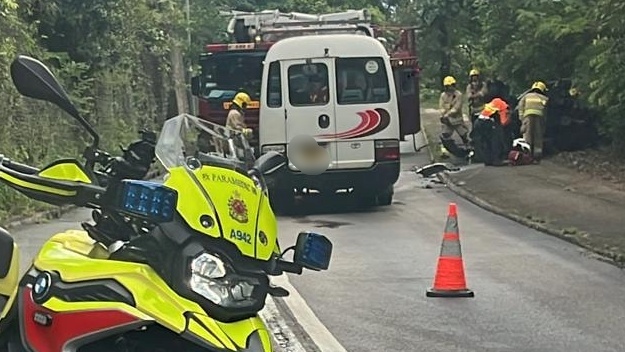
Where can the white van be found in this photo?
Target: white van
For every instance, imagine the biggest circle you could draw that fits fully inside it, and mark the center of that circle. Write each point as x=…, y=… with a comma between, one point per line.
x=357, y=121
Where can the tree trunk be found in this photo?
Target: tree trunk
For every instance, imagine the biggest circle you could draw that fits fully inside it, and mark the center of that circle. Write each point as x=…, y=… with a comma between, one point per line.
x=178, y=73
x=444, y=42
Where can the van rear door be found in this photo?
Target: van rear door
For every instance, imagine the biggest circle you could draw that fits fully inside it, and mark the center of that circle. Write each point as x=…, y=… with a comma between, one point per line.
x=309, y=102
x=364, y=110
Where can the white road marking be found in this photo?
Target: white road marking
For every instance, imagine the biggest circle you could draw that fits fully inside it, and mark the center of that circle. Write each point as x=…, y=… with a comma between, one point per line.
x=307, y=319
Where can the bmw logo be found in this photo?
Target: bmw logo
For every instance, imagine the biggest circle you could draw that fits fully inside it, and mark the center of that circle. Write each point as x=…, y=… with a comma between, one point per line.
x=42, y=285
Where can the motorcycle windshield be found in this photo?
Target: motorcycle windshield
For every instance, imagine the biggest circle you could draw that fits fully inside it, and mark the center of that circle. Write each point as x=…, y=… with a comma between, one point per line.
x=207, y=164
x=187, y=139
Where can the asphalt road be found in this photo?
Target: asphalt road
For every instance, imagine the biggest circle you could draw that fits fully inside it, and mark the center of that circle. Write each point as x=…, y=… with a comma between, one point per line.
x=532, y=292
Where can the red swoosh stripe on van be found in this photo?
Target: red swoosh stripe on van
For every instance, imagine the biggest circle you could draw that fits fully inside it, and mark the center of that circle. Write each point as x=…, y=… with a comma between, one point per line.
x=368, y=120
x=371, y=122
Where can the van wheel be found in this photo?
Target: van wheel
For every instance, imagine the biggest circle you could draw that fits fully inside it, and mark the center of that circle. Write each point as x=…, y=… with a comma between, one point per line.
x=282, y=201
x=386, y=197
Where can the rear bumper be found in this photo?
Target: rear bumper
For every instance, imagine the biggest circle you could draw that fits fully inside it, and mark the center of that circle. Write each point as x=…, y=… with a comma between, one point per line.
x=370, y=180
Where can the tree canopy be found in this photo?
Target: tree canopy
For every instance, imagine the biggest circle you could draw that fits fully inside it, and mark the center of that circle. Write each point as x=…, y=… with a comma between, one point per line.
x=116, y=57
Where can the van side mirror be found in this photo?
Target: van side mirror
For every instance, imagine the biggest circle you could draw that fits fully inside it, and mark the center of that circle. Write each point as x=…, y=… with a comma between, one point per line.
x=195, y=85
x=269, y=162
x=312, y=251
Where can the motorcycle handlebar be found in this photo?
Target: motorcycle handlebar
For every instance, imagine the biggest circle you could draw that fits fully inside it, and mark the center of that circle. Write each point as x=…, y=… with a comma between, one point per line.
x=21, y=168
x=290, y=267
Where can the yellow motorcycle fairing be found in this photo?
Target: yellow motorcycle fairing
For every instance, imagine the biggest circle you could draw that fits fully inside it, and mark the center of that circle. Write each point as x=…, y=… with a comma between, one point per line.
x=66, y=170
x=240, y=209
x=9, y=273
x=77, y=258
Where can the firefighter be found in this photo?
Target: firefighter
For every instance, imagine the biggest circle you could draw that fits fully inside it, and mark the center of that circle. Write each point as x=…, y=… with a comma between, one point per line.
x=532, y=107
x=450, y=107
x=476, y=94
x=236, y=115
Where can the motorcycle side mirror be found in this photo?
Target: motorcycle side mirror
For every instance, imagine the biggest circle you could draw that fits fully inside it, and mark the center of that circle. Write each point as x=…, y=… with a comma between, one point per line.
x=269, y=162
x=195, y=85
x=313, y=251
x=33, y=79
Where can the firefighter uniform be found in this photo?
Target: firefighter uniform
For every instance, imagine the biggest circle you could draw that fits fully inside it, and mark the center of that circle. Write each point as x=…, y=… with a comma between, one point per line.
x=532, y=108
x=476, y=94
x=450, y=108
x=236, y=116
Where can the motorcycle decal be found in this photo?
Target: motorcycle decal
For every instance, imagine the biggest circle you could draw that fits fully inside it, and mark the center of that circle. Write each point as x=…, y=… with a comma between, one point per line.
x=238, y=208
x=241, y=236
x=371, y=122
x=47, y=331
x=215, y=177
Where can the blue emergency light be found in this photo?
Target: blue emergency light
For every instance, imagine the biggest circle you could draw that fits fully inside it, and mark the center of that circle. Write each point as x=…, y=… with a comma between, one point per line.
x=313, y=251
x=150, y=200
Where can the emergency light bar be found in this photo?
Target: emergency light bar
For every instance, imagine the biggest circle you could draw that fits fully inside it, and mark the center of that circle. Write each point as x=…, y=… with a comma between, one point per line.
x=150, y=200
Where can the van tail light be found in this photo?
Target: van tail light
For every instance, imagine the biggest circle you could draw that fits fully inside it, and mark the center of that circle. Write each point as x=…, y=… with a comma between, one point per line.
x=386, y=149
x=280, y=148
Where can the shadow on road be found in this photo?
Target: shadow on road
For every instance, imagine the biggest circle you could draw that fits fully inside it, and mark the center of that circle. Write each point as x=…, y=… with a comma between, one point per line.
x=316, y=204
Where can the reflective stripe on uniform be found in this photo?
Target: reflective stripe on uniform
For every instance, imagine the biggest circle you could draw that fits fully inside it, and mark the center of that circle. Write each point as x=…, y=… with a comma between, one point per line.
x=528, y=112
x=534, y=105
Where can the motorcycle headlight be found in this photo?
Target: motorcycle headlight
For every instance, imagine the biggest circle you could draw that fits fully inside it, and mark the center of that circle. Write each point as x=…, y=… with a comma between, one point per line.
x=216, y=281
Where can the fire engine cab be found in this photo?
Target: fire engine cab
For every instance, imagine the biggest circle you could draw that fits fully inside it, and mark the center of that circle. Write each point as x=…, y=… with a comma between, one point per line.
x=227, y=69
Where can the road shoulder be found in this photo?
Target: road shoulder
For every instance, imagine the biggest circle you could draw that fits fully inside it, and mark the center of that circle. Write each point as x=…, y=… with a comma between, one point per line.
x=555, y=200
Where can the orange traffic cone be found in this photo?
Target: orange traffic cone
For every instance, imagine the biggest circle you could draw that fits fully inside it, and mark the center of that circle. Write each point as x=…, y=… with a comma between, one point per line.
x=449, y=280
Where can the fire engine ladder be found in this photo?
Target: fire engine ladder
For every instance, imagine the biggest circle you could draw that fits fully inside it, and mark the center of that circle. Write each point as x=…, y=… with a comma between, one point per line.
x=275, y=22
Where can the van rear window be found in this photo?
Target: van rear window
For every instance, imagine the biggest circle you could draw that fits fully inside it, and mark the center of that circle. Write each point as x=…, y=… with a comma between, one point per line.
x=274, y=87
x=308, y=84
x=361, y=81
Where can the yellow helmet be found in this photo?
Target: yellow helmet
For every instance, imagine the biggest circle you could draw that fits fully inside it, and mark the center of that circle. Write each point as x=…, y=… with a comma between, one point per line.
x=474, y=72
x=449, y=80
x=491, y=107
x=242, y=100
x=540, y=86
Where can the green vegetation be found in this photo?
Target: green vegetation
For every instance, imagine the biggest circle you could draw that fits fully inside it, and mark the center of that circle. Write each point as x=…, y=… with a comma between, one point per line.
x=116, y=59
x=111, y=56
x=525, y=40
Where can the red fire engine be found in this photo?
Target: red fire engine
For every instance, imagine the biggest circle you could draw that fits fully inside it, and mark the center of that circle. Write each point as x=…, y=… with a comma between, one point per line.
x=227, y=69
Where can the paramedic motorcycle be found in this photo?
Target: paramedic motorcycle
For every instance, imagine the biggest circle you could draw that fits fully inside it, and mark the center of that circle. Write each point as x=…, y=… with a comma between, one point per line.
x=178, y=266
